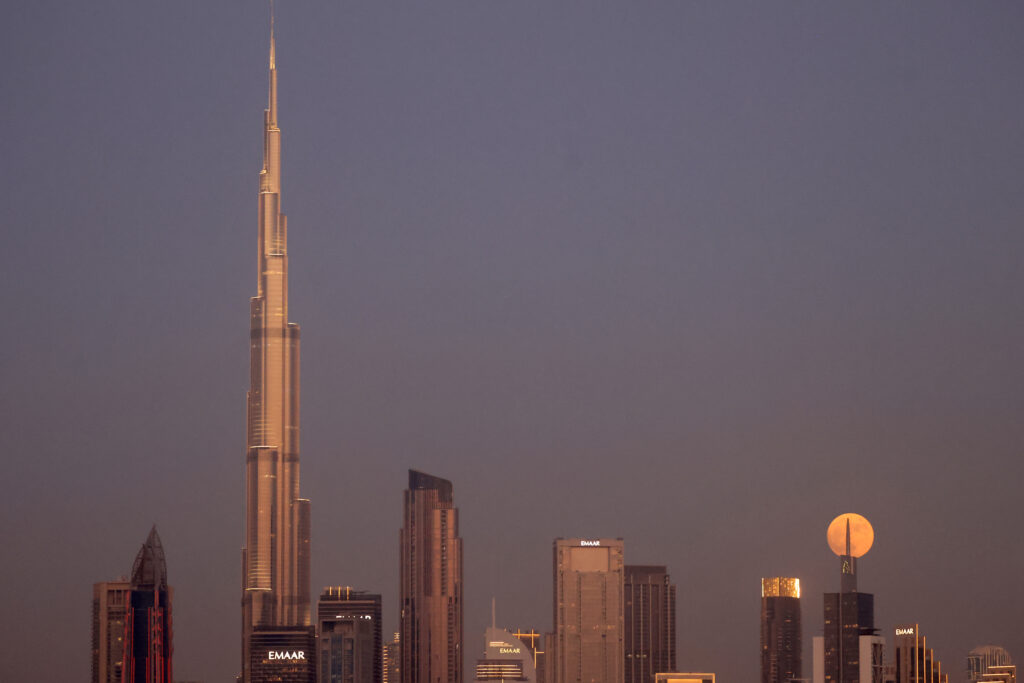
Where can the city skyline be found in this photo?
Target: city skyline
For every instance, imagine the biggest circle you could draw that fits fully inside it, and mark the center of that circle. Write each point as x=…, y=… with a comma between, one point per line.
x=663, y=242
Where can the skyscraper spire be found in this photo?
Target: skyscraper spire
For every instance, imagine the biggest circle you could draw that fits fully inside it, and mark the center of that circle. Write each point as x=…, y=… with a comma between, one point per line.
x=275, y=559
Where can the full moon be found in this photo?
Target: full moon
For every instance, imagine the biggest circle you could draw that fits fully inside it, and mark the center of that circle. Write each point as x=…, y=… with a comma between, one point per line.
x=861, y=535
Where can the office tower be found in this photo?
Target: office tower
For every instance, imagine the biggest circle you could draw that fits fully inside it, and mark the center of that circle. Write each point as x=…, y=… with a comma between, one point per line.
x=781, y=645
x=349, y=640
x=588, y=606
x=431, y=583
x=982, y=657
x=649, y=614
x=109, y=611
x=684, y=678
x=506, y=658
x=914, y=661
x=850, y=651
x=391, y=656
x=148, y=642
x=275, y=559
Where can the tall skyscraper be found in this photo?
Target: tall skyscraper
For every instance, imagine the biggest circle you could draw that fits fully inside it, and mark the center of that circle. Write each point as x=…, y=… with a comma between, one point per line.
x=110, y=601
x=850, y=651
x=349, y=640
x=781, y=645
x=148, y=642
x=649, y=614
x=431, y=583
x=277, y=637
x=588, y=611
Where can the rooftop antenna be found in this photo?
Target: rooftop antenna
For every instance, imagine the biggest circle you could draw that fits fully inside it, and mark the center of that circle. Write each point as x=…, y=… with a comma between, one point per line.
x=493, y=613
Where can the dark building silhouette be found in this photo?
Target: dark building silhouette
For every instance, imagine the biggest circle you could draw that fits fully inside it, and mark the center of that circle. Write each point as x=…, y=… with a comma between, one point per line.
x=349, y=636
x=148, y=638
x=275, y=558
x=781, y=645
x=852, y=651
x=109, y=611
x=431, y=583
x=649, y=614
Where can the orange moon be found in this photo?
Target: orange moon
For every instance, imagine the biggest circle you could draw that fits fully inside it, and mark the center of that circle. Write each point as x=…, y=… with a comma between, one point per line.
x=861, y=535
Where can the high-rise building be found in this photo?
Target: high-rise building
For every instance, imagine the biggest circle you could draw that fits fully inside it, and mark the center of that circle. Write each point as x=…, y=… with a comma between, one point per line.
x=914, y=661
x=781, y=645
x=148, y=642
x=391, y=656
x=588, y=611
x=349, y=636
x=109, y=610
x=850, y=651
x=982, y=657
x=649, y=615
x=506, y=658
x=275, y=559
x=431, y=583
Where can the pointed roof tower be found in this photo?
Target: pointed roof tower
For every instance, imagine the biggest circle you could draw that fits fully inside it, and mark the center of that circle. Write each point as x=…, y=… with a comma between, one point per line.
x=150, y=568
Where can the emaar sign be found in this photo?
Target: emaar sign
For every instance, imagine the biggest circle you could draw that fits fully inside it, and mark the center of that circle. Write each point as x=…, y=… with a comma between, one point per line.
x=590, y=543
x=278, y=654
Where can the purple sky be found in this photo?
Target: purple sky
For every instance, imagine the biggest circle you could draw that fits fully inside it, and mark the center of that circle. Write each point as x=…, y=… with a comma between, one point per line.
x=701, y=275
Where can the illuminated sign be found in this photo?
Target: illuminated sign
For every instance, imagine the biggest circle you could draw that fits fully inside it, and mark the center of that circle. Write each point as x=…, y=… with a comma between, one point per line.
x=276, y=654
x=904, y=631
x=508, y=650
x=589, y=543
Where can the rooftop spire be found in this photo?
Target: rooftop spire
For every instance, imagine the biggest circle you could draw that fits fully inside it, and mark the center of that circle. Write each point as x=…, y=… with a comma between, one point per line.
x=272, y=64
x=150, y=568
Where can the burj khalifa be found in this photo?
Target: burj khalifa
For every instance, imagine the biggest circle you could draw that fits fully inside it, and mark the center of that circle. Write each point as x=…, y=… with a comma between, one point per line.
x=277, y=639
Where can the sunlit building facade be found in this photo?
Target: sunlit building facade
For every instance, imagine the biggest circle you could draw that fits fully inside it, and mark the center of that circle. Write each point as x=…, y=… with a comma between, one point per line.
x=349, y=636
x=685, y=678
x=649, y=618
x=109, y=610
x=506, y=658
x=431, y=583
x=913, y=660
x=391, y=660
x=982, y=657
x=781, y=643
x=275, y=558
x=588, y=611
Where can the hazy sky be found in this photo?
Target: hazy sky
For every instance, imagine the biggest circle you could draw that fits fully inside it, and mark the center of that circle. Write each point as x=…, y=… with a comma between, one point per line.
x=702, y=275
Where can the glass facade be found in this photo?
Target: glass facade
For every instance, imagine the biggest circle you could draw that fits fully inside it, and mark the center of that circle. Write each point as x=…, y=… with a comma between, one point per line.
x=588, y=611
x=349, y=640
x=781, y=644
x=649, y=615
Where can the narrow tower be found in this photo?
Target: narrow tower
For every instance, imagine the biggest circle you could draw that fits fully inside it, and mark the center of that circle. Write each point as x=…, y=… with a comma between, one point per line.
x=275, y=559
x=147, y=636
x=431, y=582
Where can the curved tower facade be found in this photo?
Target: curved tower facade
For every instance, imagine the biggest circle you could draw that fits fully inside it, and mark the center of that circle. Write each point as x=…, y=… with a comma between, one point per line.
x=275, y=559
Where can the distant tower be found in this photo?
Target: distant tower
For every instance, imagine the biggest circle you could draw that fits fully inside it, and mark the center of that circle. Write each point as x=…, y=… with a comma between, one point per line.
x=649, y=615
x=914, y=661
x=349, y=644
x=982, y=657
x=781, y=647
x=588, y=611
x=148, y=638
x=391, y=656
x=850, y=651
x=431, y=583
x=506, y=658
x=109, y=611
